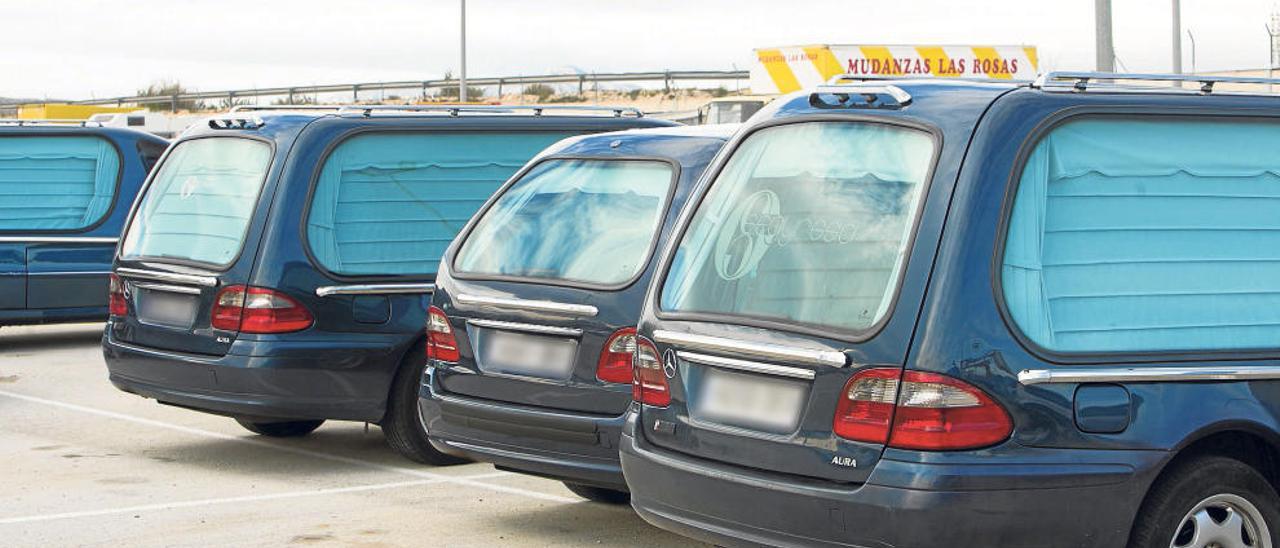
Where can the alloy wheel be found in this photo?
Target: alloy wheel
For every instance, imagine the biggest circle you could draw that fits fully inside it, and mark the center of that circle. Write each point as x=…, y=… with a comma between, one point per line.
x=1222, y=521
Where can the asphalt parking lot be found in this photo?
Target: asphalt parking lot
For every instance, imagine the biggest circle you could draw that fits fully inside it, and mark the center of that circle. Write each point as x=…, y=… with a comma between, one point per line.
x=85, y=464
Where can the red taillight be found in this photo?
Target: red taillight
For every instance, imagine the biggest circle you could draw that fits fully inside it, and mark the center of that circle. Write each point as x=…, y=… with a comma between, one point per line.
x=649, y=381
x=441, y=344
x=932, y=412
x=116, y=303
x=865, y=409
x=615, y=358
x=258, y=310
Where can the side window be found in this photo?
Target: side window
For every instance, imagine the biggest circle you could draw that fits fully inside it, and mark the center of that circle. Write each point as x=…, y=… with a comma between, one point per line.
x=390, y=203
x=150, y=153
x=56, y=183
x=1132, y=235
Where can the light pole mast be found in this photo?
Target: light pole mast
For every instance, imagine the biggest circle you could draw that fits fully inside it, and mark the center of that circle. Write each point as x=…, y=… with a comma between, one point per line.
x=1177, y=37
x=1105, y=50
x=462, y=79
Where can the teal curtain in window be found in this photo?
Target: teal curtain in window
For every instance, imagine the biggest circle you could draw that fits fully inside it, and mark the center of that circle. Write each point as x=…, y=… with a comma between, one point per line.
x=1148, y=235
x=390, y=203
x=56, y=183
x=200, y=202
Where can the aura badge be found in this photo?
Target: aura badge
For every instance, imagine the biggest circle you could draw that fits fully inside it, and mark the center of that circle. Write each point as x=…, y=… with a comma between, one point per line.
x=669, y=363
x=844, y=462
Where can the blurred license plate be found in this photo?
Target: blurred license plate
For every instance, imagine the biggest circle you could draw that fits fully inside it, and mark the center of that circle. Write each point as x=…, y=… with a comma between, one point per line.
x=520, y=354
x=751, y=401
x=170, y=309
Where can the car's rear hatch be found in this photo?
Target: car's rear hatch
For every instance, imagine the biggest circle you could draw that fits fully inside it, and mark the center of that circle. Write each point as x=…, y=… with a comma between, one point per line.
x=546, y=284
x=184, y=243
x=782, y=286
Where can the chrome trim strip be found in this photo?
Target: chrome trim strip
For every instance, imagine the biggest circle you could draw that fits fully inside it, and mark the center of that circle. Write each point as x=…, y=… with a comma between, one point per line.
x=186, y=290
x=1148, y=374
x=743, y=365
x=72, y=273
x=527, y=327
x=159, y=276
x=829, y=357
x=375, y=289
x=524, y=304
x=57, y=240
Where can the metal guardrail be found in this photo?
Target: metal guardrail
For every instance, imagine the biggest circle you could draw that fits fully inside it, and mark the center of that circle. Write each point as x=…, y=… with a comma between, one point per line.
x=841, y=78
x=455, y=110
x=667, y=77
x=1109, y=81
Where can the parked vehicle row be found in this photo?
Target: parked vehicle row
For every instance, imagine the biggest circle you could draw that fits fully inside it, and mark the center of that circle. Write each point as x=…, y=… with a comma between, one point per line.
x=65, y=191
x=882, y=313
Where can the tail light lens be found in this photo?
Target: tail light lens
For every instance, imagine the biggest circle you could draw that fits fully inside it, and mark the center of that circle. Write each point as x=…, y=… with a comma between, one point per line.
x=865, y=410
x=116, y=303
x=615, y=358
x=649, y=382
x=441, y=344
x=258, y=310
x=925, y=411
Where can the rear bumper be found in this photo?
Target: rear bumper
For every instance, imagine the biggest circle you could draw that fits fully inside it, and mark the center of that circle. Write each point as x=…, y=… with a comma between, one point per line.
x=262, y=385
x=557, y=444
x=1085, y=500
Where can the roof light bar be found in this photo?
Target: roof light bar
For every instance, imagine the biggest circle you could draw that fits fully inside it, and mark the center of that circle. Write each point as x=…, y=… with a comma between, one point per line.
x=236, y=123
x=872, y=96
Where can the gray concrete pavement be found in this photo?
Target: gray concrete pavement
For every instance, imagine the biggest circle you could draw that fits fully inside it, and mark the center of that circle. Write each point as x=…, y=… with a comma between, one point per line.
x=85, y=464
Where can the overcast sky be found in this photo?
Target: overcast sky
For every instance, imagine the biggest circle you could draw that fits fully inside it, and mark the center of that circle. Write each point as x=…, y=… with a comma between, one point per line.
x=95, y=48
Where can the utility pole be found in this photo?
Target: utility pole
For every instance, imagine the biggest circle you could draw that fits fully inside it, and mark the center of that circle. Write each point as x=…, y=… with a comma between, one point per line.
x=462, y=80
x=1192, y=37
x=1177, y=37
x=1105, y=49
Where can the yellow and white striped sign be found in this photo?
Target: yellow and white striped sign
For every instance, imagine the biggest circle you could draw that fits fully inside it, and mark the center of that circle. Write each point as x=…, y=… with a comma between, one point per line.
x=788, y=69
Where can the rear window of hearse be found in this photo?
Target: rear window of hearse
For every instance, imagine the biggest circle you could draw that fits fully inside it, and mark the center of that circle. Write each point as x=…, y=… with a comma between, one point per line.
x=56, y=183
x=807, y=223
x=1140, y=235
x=199, y=205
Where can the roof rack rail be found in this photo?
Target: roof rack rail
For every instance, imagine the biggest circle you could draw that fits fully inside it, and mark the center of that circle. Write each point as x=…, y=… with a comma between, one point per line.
x=837, y=79
x=251, y=108
x=49, y=122
x=456, y=110
x=1112, y=81
x=870, y=93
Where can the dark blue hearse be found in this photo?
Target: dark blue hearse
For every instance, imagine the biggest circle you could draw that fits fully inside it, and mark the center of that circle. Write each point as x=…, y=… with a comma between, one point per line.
x=943, y=313
x=532, y=325
x=65, y=190
x=278, y=265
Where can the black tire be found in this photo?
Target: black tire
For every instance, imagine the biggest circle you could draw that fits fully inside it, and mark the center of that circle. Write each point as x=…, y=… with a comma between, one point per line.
x=283, y=429
x=599, y=494
x=401, y=426
x=1193, y=481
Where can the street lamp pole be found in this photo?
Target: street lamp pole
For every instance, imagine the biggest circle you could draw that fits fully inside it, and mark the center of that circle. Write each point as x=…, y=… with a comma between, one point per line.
x=1104, y=48
x=462, y=79
x=1192, y=38
x=1177, y=37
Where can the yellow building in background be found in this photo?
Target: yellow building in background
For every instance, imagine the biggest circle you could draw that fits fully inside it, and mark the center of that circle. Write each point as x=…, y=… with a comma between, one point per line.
x=63, y=111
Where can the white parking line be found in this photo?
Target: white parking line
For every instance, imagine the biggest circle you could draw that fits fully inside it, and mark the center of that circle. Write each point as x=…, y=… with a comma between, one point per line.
x=294, y=450
x=227, y=500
